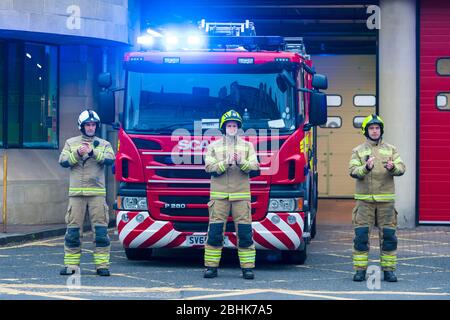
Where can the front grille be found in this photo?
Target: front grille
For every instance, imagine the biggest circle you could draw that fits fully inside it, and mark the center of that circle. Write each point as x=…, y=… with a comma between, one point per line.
x=185, y=199
x=180, y=159
x=183, y=174
x=190, y=185
x=189, y=212
x=189, y=199
x=199, y=227
x=186, y=212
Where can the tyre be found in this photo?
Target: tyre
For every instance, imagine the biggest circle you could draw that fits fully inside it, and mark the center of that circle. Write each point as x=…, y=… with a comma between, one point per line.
x=138, y=254
x=295, y=256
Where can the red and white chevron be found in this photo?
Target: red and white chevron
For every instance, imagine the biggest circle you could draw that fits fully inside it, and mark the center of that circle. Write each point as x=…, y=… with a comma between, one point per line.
x=282, y=234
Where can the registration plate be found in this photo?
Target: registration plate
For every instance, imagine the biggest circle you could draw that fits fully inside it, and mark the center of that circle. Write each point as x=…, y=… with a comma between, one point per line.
x=201, y=240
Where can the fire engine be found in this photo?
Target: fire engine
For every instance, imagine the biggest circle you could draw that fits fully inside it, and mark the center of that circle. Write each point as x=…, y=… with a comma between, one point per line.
x=175, y=93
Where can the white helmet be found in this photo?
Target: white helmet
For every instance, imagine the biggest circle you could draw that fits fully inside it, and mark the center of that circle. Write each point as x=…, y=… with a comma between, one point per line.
x=88, y=116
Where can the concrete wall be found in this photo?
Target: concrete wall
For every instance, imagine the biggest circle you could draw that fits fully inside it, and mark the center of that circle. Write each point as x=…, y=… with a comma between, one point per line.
x=103, y=19
x=397, y=85
x=37, y=184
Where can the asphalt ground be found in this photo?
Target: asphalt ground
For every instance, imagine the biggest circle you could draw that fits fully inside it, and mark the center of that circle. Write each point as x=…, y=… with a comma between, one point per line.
x=31, y=271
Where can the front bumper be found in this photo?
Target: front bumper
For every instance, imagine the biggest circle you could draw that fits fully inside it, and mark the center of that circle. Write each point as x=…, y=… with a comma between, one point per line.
x=277, y=231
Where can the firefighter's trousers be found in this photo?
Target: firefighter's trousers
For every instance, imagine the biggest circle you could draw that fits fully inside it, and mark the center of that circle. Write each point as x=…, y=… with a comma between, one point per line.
x=219, y=211
x=98, y=213
x=365, y=216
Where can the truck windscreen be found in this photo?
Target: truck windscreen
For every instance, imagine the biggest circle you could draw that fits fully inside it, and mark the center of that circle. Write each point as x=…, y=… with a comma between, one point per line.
x=159, y=103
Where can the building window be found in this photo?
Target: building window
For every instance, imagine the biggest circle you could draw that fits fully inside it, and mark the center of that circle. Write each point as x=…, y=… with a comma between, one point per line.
x=333, y=122
x=334, y=100
x=442, y=101
x=443, y=66
x=366, y=100
x=2, y=89
x=357, y=122
x=29, y=103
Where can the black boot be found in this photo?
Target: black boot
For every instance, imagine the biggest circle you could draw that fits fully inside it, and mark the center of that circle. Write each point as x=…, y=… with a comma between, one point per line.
x=360, y=275
x=390, y=276
x=247, y=274
x=66, y=271
x=210, y=272
x=103, y=272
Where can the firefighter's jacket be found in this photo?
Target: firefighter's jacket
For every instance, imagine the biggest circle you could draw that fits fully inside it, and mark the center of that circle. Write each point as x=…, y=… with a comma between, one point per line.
x=87, y=176
x=376, y=185
x=230, y=181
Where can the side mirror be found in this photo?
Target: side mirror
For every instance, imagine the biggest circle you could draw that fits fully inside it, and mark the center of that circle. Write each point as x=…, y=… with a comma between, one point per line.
x=116, y=125
x=320, y=81
x=104, y=80
x=318, y=109
x=106, y=106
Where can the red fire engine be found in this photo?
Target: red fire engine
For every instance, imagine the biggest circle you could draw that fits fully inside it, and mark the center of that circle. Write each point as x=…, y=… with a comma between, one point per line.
x=175, y=94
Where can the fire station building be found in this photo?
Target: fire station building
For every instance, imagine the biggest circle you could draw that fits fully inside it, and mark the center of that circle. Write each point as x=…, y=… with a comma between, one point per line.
x=51, y=53
x=390, y=57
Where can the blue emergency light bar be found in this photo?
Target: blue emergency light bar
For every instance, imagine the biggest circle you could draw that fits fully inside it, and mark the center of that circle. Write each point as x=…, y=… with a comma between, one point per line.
x=221, y=36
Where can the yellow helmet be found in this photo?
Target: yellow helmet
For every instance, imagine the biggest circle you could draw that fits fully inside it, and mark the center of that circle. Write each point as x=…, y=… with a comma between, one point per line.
x=230, y=116
x=372, y=119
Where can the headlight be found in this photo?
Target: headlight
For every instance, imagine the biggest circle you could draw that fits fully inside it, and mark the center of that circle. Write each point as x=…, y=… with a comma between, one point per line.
x=281, y=205
x=133, y=203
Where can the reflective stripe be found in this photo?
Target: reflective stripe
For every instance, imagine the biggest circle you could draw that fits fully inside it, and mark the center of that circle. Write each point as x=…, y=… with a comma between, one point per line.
x=247, y=256
x=387, y=196
x=239, y=195
x=361, y=171
x=72, y=159
x=213, y=255
x=361, y=260
x=362, y=154
x=398, y=160
x=388, y=261
x=219, y=194
x=100, y=156
x=90, y=189
x=355, y=162
x=245, y=166
x=221, y=167
x=234, y=195
x=363, y=196
x=101, y=258
x=72, y=258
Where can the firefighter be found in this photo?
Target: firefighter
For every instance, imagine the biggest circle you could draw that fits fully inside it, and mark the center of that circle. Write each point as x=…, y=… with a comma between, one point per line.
x=229, y=161
x=86, y=156
x=374, y=164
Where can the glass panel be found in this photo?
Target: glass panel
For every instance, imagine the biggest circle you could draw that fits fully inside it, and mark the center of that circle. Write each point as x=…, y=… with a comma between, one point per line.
x=2, y=91
x=333, y=122
x=40, y=96
x=162, y=102
x=334, y=100
x=14, y=94
x=364, y=101
x=443, y=66
x=442, y=101
x=357, y=122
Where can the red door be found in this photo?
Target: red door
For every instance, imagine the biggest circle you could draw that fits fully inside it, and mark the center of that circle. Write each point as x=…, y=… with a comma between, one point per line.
x=434, y=112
